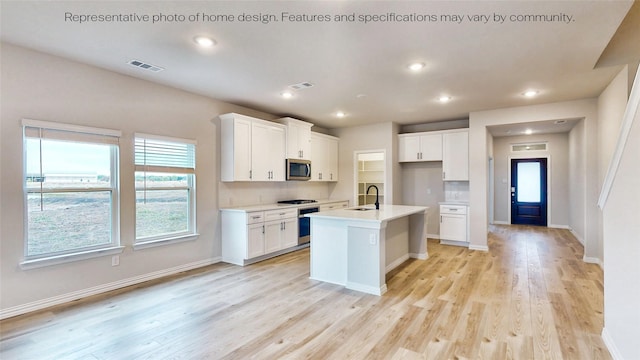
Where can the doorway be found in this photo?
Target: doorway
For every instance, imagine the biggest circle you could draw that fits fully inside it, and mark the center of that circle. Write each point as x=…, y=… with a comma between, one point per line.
x=529, y=191
x=370, y=170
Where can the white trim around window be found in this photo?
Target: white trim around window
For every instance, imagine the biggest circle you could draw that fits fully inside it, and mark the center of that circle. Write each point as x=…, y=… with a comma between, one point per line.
x=165, y=190
x=71, y=193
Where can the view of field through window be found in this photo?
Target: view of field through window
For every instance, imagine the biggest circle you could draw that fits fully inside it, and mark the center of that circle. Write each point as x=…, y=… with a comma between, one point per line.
x=162, y=204
x=69, y=196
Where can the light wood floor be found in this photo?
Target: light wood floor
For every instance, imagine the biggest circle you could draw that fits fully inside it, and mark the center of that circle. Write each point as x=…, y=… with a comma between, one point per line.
x=529, y=297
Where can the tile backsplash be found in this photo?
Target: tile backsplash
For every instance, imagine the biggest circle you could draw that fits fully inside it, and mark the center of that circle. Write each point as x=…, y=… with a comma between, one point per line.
x=456, y=191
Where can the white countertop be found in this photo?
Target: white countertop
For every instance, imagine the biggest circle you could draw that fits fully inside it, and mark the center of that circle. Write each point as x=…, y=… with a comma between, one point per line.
x=264, y=207
x=454, y=202
x=386, y=213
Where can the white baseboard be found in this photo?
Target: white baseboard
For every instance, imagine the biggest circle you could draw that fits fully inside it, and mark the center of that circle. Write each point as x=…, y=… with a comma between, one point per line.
x=555, y=226
x=593, y=260
x=419, y=256
x=479, y=247
x=577, y=236
x=495, y=222
x=64, y=298
x=611, y=346
x=366, y=288
x=454, y=243
x=396, y=263
x=433, y=236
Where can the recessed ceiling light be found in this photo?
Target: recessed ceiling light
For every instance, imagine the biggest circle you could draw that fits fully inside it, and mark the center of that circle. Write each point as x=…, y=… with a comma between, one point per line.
x=530, y=93
x=287, y=94
x=444, y=98
x=416, y=66
x=204, y=41
x=528, y=131
x=340, y=114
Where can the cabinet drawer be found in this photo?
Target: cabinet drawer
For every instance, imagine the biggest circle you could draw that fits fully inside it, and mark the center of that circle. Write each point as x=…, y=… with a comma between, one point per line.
x=453, y=209
x=334, y=206
x=255, y=217
x=280, y=214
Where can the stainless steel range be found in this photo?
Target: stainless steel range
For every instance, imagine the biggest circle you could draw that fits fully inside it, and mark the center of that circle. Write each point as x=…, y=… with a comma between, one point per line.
x=304, y=223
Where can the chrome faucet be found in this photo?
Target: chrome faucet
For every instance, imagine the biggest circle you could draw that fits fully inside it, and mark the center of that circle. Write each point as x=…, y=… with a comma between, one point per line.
x=377, y=195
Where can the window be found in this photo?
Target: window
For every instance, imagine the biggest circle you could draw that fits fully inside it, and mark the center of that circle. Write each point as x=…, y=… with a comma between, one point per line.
x=165, y=188
x=71, y=189
x=529, y=147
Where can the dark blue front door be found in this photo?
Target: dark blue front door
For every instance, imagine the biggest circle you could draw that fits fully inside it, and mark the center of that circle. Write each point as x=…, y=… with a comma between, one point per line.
x=529, y=191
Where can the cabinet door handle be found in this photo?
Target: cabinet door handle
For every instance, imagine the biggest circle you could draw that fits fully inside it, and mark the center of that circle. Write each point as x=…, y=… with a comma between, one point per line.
x=263, y=229
x=250, y=174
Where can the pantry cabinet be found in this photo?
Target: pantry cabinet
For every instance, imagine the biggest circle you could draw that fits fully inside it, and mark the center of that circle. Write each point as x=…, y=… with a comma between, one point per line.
x=298, y=138
x=324, y=157
x=251, y=149
x=455, y=156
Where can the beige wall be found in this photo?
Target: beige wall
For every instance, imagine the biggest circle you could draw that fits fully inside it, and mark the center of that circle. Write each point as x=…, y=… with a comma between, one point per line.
x=577, y=171
x=365, y=138
x=621, y=230
x=611, y=105
x=44, y=87
x=478, y=163
x=558, y=173
x=422, y=185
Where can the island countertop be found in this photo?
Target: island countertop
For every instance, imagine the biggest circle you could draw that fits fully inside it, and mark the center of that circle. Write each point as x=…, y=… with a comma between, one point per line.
x=386, y=213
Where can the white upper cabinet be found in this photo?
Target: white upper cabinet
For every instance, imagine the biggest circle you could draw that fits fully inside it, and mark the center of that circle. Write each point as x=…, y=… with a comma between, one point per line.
x=251, y=149
x=267, y=152
x=449, y=146
x=419, y=147
x=324, y=159
x=298, y=138
x=455, y=156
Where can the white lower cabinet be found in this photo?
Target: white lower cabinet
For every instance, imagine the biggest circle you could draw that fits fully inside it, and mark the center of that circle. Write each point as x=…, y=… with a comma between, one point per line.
x=255, y=240
x=252, y=235
x=280, y=234
x=453, y=225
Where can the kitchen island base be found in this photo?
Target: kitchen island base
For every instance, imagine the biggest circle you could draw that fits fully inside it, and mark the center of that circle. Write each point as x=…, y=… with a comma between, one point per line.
x=357, y=248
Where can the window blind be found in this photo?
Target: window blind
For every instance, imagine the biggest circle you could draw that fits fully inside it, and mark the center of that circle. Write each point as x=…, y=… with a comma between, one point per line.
x=164, y=154
x=67, y=132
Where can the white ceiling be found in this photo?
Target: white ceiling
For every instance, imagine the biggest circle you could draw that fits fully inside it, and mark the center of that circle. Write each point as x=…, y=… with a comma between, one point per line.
x=354, y=67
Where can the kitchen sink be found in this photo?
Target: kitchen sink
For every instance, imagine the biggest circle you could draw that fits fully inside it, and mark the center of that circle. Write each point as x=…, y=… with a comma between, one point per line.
x=361, y=209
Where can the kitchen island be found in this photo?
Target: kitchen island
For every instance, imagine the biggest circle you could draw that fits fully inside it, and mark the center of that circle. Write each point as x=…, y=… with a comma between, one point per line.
x=356, y=247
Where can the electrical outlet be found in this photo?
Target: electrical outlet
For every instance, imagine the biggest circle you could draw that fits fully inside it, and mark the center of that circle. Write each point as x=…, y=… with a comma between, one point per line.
x=115, y=260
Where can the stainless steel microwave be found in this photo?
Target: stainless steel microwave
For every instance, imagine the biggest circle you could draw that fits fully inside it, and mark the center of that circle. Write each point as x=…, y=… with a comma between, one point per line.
x=298, y=169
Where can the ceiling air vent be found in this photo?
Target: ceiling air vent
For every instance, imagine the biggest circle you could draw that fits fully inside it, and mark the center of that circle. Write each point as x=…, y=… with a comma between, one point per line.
x=145, y=66
x=300, y=86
